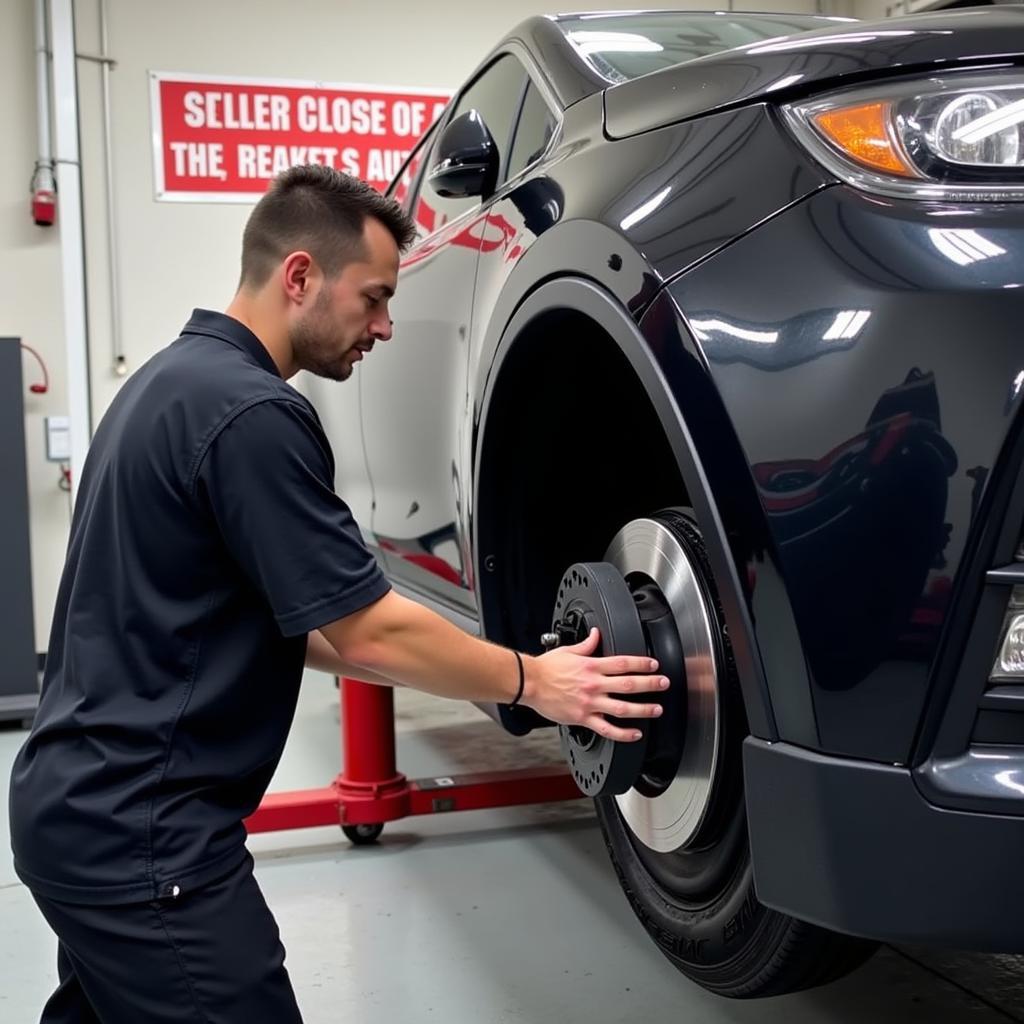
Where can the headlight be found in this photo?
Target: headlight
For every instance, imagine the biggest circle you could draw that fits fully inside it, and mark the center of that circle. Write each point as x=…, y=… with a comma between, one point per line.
x=956, y=136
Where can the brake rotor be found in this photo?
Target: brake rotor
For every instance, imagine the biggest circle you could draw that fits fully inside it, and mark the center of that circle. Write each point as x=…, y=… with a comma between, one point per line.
x=668, y=808
x=594, y=594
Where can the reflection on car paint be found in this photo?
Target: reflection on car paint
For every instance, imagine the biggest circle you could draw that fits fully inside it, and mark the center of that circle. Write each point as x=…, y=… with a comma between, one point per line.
x=836, y=519
x=421, y=552
x=817, y=333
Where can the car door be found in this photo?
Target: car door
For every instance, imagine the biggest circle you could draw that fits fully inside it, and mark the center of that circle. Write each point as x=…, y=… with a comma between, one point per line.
x=413, y=388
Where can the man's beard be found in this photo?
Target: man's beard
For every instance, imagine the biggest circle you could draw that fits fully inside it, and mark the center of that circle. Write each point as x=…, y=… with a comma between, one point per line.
x=312, y=346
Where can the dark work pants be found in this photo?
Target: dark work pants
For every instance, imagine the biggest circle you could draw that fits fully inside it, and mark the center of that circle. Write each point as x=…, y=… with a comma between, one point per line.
x=213, y=956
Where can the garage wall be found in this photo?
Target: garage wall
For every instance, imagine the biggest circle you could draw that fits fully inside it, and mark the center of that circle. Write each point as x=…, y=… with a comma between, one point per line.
x=175, y=256
x=870, y=10
x=30, y=301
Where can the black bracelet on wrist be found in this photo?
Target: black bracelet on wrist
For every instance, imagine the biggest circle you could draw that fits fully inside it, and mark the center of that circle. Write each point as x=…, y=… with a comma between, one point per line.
x=522, y=679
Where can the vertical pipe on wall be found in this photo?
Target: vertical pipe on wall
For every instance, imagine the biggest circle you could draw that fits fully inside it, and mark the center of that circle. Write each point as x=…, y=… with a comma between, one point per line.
x=72, y=234
x=118, y=363
x=44, y=165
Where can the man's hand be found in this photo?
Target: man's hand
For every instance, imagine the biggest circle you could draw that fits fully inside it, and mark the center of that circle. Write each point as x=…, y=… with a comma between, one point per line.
x=571, y=687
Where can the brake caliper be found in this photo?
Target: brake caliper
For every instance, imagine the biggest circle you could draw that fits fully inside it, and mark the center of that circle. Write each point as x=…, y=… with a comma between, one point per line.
x=636, y=622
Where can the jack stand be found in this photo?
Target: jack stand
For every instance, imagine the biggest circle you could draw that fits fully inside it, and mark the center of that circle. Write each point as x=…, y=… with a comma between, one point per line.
x=371, y=791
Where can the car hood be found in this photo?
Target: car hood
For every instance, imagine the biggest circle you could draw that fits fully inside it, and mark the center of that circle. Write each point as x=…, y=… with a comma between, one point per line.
x=842, y=54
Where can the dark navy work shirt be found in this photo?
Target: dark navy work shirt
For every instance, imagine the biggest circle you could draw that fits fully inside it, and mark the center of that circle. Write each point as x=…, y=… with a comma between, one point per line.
x=207, y=541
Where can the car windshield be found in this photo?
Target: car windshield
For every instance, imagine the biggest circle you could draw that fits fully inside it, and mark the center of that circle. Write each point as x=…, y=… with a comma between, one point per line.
x=623, y=46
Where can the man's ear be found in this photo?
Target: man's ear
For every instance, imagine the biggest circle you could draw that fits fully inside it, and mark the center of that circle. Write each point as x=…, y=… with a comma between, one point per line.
x=298, y=272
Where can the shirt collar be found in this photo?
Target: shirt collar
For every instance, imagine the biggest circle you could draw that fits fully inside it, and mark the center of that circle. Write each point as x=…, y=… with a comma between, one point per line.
x=227, y=328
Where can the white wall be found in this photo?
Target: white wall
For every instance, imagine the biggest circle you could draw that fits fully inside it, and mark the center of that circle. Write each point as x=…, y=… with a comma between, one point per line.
x=176, y=256
x=871, y=10
x=30, y=300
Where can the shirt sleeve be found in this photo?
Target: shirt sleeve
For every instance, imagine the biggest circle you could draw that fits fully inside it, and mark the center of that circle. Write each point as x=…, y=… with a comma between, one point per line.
x=268, y=479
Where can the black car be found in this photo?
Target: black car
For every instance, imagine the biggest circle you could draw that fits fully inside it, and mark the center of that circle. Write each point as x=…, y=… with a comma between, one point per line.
x=712, y=337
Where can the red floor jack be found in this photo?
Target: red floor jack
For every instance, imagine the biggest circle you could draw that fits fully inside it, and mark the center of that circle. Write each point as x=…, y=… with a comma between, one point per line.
x=370, y=790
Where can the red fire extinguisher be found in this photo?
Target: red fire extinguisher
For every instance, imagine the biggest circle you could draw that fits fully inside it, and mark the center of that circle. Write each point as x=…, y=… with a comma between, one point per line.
x=44, y=196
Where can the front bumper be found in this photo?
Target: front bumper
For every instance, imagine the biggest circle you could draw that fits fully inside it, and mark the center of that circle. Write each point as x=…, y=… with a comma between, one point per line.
x=855, y=847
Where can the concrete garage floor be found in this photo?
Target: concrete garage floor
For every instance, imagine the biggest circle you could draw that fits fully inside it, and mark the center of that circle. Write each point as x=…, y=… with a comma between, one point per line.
x=492, y=917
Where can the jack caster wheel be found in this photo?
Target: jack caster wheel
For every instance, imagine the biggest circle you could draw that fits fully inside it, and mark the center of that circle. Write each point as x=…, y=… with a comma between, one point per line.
x=362, y=835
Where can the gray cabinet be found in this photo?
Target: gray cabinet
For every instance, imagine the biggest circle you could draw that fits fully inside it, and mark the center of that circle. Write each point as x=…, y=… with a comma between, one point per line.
x=19, y=690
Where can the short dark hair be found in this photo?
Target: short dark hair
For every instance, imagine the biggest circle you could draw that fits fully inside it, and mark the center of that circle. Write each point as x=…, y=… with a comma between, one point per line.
x=322, y=211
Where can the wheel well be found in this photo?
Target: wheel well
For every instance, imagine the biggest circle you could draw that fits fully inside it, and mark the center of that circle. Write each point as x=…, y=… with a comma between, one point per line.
x=573, y=450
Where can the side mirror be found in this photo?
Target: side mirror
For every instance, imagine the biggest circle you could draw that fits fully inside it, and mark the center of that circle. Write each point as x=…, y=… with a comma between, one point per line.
x=467, y=159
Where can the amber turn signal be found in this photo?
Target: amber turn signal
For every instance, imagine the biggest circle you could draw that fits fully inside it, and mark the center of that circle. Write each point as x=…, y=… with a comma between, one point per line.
x=862, y=133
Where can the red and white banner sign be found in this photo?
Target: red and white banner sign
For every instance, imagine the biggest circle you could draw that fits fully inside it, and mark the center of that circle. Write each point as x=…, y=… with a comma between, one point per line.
x=218, y=139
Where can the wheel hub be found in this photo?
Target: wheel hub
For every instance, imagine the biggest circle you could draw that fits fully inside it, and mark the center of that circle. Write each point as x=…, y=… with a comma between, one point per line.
x=595, y=594
x=646, y=598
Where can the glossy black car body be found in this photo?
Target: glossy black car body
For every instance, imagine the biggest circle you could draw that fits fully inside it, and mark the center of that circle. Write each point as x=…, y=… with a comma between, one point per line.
x=637, y=319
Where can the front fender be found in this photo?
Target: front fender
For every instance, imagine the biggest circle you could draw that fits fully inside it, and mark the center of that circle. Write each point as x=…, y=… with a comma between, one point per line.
x=674, y=380
x=871, y=371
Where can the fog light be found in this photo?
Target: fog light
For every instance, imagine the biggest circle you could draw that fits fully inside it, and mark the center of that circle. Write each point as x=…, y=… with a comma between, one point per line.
x=1010, y=661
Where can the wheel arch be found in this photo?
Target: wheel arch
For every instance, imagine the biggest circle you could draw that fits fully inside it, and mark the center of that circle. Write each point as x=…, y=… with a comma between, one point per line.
x=581, y=299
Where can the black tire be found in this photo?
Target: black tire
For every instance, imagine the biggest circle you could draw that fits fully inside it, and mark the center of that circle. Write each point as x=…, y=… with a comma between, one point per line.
x=699, y=904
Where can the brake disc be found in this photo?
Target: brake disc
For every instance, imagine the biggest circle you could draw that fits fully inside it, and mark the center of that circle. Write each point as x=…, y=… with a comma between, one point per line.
x=595, y=594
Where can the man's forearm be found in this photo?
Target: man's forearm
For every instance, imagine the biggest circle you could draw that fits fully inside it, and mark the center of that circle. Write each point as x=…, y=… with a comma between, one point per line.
x=320, y=655
x=400, y=639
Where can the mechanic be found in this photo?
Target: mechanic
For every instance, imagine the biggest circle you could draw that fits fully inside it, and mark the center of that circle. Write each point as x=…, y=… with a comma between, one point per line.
x=209, y=560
